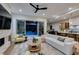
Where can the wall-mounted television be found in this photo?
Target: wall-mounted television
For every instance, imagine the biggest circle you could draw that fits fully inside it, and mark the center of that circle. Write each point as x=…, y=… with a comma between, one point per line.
x=5, y=22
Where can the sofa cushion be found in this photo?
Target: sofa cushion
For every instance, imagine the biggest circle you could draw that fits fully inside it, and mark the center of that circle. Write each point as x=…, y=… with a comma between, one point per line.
x=55, y=41
x=69, y=40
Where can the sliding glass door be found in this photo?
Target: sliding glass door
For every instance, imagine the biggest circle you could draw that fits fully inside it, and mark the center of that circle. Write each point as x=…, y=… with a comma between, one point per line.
x=41, y=28
x=21, y=27
x=30, y=27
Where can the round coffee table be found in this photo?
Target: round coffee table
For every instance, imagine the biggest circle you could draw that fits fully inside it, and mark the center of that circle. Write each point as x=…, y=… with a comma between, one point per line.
x=34, y=47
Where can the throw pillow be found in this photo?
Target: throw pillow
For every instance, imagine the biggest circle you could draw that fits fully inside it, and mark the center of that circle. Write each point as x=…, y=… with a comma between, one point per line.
x=61, y=39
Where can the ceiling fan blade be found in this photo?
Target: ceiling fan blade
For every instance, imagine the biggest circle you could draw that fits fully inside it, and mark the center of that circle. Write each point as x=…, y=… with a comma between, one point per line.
x=37, y=6
x=43, y=8
x=36, y=11
x=32, y=5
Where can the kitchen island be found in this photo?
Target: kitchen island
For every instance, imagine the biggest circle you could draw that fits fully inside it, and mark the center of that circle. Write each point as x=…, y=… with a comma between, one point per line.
x=67, y=34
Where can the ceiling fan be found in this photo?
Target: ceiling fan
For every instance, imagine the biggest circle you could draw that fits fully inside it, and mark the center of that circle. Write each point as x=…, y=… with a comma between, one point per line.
x=37, y=7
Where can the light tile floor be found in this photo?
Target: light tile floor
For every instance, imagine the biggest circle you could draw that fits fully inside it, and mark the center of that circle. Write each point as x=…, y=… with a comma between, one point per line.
x=21, y=49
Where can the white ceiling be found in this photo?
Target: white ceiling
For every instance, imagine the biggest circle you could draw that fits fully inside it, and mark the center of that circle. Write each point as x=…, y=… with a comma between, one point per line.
x=54, y=9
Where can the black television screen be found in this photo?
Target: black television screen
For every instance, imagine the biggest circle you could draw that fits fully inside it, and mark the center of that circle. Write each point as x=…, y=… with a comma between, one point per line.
x=1, y=21
x=6, y=23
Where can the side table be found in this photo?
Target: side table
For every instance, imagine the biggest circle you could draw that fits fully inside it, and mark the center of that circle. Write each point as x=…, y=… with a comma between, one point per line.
x=76, y=49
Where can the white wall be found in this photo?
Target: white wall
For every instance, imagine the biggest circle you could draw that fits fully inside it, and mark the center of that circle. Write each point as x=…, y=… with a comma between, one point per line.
x=20, y=17
x=5, y=33
x=74, y=21
x=56, y=26
x=48, y=26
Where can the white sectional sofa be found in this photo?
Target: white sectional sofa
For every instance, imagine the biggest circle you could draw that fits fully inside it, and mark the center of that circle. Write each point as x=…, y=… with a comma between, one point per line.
x=65, y=46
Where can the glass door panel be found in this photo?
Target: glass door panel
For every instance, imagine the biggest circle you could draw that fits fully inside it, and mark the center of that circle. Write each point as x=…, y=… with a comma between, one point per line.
x=31, y=28
x=21, y=27
x=41, y=28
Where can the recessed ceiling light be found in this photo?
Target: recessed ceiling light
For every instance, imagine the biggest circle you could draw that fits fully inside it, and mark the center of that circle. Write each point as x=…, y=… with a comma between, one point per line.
x=56, y=16
x=34, y=13
x=70, y=23
x=43, y=14
x=70, y=8
x=20, y=10
x=64, y=17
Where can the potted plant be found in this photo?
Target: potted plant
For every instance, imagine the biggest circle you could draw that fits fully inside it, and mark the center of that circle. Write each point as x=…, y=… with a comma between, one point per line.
x=35, y=40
